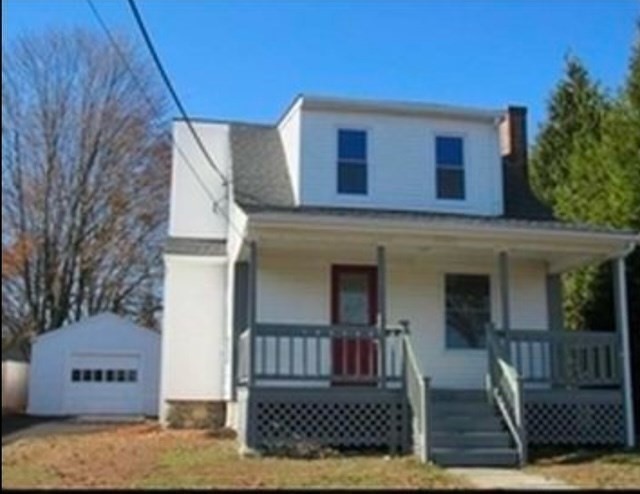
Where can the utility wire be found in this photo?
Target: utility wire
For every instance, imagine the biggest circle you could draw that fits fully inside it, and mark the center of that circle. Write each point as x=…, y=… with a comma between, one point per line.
x=148, y=99
x=142, y=89
x=176, y=99
x=174, y=95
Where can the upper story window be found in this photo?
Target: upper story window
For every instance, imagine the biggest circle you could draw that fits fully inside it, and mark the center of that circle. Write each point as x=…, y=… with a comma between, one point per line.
x=449, y=167
x=467, y=310
x=352, y=161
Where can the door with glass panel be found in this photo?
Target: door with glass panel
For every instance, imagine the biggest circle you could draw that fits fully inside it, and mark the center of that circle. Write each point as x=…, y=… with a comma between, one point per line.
x=354, y=307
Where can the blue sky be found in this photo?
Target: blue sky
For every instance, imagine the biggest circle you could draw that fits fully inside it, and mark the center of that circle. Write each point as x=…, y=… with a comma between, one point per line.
x=246, y=60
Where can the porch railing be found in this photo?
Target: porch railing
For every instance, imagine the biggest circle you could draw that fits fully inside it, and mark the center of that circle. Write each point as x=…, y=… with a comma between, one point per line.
x=505, y=390
x=570, y=359
x=551, y=359
x=320, y=354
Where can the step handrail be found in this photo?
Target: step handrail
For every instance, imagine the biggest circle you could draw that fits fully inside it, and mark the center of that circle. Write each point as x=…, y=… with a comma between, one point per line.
x=505, y=386
x=417, y=389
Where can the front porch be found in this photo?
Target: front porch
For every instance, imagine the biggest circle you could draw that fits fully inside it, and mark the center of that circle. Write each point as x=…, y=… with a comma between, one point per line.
x=552, y=388
x=302, y=374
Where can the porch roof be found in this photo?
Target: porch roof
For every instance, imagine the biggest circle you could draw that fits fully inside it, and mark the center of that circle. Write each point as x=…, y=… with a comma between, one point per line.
x=564, y=246
x=431, y=218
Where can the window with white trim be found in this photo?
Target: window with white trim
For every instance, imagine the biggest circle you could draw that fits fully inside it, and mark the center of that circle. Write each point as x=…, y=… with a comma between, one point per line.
x=467, y=310
x=352, y=162
x=450, y=180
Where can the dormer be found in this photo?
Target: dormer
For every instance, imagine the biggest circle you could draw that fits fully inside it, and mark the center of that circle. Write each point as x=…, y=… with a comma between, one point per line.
x=403, y=156
x=356, y=154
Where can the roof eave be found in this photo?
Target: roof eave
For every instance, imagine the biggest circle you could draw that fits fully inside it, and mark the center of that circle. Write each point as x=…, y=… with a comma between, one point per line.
x=616, y=240
x=323, y=103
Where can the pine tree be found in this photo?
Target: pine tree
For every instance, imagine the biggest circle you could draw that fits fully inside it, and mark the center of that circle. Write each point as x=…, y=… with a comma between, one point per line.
x=575, y=112
x=633, y=78
x=586, y=165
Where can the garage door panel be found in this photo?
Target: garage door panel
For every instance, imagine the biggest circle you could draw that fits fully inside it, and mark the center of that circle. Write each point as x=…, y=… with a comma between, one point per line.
x=103, y=383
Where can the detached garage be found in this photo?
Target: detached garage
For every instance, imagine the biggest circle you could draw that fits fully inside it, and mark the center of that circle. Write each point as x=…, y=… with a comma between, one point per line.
x=104, y=364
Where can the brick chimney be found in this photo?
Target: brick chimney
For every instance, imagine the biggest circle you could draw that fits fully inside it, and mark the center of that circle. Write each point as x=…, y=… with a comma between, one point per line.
x=519, y=199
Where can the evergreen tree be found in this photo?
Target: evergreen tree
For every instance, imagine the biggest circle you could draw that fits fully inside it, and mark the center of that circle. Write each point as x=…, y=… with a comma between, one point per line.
x=575, y=112
x=633, y=78
x=586, y=164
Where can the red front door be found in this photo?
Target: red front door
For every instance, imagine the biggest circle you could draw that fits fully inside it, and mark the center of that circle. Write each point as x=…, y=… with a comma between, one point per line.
x=354, y=304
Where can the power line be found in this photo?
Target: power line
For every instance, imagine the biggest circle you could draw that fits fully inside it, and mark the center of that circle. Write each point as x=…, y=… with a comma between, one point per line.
x=148, y=99
x=176, y=99
x=174, y=95
x=142, y=89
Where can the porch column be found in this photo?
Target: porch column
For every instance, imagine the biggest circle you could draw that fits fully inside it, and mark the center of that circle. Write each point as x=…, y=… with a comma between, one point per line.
x=252, y=294
x=622, y=327
x=555, y=322
x=382, y=310
x=555, y=316
x=503, y=275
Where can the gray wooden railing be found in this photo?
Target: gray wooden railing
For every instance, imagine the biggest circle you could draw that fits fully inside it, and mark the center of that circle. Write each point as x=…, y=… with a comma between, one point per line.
x=568, y=359
x=417, y=389
x=505, y=390
x=304, y=352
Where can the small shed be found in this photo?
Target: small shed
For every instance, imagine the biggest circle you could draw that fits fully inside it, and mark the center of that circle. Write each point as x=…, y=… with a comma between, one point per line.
x=103, y=364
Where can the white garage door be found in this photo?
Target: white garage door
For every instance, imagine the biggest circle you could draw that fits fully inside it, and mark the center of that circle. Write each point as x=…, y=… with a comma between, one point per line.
x=99, y=383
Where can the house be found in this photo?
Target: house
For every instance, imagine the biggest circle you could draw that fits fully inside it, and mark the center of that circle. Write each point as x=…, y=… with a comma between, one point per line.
x=379, y=274
x=103, y=364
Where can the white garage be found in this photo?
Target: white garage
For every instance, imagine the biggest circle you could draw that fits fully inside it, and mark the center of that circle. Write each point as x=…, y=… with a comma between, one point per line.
x=104, y=364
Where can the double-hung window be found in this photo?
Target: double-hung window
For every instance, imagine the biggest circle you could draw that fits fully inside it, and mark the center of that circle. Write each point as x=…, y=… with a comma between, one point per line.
x=352, y=161
x=468, y=310
x=450, y=168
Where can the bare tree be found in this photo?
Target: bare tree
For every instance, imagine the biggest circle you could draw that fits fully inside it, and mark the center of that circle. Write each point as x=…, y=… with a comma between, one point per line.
x=85, y=174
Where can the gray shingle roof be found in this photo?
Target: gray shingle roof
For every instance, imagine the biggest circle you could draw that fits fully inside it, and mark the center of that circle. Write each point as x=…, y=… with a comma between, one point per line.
x=260, y=173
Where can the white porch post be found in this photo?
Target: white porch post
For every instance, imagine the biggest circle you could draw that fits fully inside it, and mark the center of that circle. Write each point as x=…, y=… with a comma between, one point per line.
x=503, y=275
x=622, y=327
x=382, y=310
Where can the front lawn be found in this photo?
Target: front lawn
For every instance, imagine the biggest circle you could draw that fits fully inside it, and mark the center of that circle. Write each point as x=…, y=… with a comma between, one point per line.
x=146, y=456
x=594, y=468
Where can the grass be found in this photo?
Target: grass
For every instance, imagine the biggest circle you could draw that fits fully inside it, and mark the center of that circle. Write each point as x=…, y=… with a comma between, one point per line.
x=24, y=475
x=592, y=468
x=144, y=456
x=218, y=464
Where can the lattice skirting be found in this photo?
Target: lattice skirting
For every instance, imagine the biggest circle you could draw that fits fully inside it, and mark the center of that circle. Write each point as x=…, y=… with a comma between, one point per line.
x=340, y=418
x=575, y=417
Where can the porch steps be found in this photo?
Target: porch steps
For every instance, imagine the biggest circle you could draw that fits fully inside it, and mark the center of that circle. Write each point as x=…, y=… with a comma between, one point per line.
x=476, y=457
x=467, y=431
x=470, y=439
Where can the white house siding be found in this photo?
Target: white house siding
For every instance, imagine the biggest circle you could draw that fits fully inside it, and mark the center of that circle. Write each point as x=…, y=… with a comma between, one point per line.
x=194, y=346
x=401, y=162
x=295, y=288
x=190, y=202
x=289, y=130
